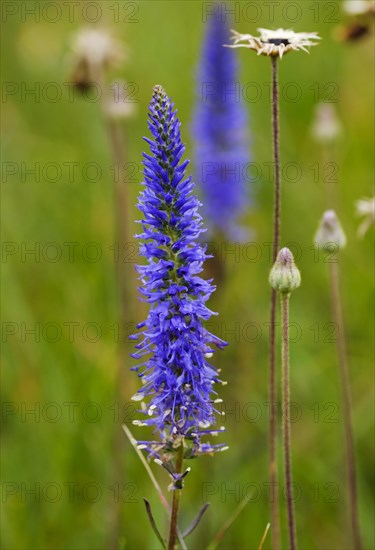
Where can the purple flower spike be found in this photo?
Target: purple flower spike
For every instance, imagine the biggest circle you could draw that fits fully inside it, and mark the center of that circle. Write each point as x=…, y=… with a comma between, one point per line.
x=222, y=152
x=176, y=375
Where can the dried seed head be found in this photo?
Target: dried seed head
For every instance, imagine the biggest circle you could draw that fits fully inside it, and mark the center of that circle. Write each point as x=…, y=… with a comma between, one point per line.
x=330, y=234
x=285, y=275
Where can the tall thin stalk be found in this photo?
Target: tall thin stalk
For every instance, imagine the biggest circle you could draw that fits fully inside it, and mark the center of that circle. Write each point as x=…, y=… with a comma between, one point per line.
x=286, y=420
x=328, y=158
x=126, y=315
x=344, y=379
x=173, y=528
x=125, y=272
x=275, y=522
x=126, y=286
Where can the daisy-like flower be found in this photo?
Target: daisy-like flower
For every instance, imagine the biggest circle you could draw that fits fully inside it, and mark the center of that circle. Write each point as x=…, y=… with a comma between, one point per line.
x=275, y=43
x=365, y=208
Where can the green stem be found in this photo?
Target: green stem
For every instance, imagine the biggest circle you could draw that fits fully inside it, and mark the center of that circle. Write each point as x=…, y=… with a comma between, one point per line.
x=347, y=408
x=154, y=481
x=286, y=420
x=176, y=502
x=225, y=528
x=275, y=522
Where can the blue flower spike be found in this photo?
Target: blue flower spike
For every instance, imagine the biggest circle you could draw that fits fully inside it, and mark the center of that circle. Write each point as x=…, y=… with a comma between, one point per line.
x=221, y=137
x=177, y=397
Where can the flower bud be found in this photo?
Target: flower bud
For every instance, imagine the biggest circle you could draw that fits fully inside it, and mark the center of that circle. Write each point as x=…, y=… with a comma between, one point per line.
x=366, y=208
x=119, y=105
x=330, y=233
x=285, y=275
x=326, y=126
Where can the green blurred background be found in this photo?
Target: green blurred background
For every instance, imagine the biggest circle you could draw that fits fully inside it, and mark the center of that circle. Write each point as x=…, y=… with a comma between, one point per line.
x=65, y=451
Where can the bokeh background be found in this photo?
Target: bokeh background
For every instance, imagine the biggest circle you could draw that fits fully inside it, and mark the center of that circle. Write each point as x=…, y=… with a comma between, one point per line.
x=61, y=486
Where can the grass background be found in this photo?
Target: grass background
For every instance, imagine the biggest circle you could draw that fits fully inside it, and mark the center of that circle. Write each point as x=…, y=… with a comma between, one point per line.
x=51, y=454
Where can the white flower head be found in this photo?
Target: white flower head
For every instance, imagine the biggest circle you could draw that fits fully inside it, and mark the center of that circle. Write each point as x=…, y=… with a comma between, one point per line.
x=275, y=43
x=366, y=209
x=326, y=125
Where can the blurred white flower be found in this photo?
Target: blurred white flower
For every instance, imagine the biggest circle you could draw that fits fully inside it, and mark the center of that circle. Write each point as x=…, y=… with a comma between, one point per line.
x=326, y=125
x=97, y=47
x=366, y=209
x=330, y=233
x=94, y=51
x=275, y=43
x=358, y=7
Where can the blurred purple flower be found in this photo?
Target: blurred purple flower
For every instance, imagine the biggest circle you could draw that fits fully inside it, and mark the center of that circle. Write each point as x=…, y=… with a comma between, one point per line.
x=177, y=378
x=220, y=135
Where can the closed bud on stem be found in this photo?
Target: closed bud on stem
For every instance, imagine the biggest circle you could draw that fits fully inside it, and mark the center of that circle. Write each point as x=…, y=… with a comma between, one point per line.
x=326, y=126
x=118, y=105
x=330, y=234
x=285, y=275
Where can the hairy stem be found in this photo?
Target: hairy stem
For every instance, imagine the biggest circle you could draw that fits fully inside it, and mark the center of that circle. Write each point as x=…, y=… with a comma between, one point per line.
x=175, y=503
x=286, y=420
x=272, y=353
x=345, y=388
x=276, y=156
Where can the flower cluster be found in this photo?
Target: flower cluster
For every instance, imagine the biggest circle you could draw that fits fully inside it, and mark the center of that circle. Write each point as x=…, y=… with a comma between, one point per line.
x=220, y=135
x=275, y=43
x=176, y=375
